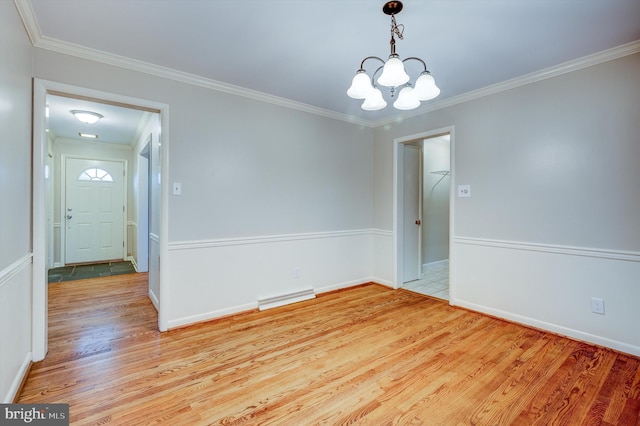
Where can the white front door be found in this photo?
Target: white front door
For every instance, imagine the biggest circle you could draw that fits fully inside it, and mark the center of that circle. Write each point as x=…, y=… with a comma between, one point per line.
x=411, y=221
x=94, y=210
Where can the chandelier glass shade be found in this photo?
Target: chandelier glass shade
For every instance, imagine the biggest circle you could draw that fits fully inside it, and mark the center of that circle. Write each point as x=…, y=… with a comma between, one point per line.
x=393, y=75
x=374, y=101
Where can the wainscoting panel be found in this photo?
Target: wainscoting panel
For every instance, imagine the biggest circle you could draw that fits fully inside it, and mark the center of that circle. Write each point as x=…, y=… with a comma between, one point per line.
x=214, y=278
x=551, y=287
x=383, y=257
x=15, y=325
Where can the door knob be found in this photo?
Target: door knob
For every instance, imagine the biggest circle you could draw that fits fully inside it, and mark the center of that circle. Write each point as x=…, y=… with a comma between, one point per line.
x=418, y=222
x=69, y=216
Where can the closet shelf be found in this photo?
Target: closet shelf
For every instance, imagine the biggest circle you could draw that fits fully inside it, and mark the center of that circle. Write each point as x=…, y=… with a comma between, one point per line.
x=440, y=172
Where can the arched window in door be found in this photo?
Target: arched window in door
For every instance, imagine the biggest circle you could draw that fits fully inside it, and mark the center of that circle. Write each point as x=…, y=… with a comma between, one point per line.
x=95, y=174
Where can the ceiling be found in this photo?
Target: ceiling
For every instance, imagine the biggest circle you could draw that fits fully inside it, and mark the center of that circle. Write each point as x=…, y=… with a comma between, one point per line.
x=307, y=51
x=119, y=125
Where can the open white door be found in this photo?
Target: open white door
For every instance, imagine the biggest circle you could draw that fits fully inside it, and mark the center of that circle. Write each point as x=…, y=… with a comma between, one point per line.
x=94, y=210
x=412, y=212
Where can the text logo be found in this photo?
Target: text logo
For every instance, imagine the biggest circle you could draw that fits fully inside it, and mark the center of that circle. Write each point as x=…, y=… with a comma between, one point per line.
x=34, y=414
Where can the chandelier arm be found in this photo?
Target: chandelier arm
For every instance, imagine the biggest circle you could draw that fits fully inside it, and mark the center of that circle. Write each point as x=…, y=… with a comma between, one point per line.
x=370, y=57
x=373, y=76
x=416, y=59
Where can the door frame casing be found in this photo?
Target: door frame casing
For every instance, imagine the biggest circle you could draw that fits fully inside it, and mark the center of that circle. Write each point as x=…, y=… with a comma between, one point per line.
x=63, y=193
x=41, y=88
x=398, y=204
x=143, y=210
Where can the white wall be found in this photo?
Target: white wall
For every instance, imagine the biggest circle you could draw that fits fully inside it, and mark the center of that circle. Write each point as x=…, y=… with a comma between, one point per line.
x=249, y=170
x=15, y=205
x=553, y=216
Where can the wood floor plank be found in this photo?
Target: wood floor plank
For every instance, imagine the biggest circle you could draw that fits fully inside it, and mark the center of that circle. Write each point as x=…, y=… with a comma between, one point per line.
x=366, y=355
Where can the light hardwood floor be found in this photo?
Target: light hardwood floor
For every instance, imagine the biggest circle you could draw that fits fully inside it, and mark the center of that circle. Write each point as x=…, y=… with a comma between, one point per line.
x=366, y=355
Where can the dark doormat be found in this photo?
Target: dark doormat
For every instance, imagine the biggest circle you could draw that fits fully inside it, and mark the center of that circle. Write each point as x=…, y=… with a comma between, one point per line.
x=81, y=272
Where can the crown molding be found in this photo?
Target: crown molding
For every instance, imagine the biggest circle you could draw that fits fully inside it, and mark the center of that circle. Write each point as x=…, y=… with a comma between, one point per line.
x=38, y=40
x=556, y=70
x=29, y=20
x=184, y=77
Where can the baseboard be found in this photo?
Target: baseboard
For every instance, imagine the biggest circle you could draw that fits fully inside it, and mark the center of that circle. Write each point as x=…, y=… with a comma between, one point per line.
x=430, y=265
x=550, y=327
x=347, y=284
x=212, y=315
x=133, y=262
x=383, y=282
x=154, y=300
x=19, y=380
x=285, y=299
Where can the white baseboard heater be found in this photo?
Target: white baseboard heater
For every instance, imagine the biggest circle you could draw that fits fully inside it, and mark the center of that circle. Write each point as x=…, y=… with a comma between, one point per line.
x=285, y=299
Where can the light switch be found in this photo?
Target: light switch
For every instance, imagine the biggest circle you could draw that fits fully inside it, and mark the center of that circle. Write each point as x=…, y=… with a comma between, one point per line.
x=464, y=190
x=177, y=188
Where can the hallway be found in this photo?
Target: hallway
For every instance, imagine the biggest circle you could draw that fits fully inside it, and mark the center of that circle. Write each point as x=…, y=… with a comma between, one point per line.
x=80, y=272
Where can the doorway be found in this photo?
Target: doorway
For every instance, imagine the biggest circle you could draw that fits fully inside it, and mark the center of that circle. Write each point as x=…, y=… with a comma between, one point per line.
x=423, y=235
x=44, y=235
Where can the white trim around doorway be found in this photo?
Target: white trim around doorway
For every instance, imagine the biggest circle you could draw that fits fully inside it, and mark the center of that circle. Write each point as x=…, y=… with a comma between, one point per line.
x=397, y=233
x=39, y=223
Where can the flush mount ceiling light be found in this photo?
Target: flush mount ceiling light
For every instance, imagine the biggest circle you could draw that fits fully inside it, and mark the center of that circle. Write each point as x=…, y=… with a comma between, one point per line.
x=87, y=117
x=88, y=135
x=393, y=75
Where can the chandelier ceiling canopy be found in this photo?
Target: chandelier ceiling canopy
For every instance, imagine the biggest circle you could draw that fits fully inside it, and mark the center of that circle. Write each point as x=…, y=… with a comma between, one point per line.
x=393, y=76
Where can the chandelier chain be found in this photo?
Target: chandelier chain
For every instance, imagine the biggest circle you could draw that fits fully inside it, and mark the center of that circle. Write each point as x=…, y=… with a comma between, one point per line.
x=397, y=29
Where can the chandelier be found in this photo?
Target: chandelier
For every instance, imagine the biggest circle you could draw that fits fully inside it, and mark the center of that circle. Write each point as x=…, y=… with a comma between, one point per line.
x=393, y=75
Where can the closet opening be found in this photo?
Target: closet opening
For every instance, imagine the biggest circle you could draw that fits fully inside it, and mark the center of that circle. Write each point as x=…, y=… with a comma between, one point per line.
x=423, y=225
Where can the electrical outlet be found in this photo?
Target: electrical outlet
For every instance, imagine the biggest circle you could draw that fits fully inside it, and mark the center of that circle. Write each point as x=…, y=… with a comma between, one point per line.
x=597, y=305
x=296, y=272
